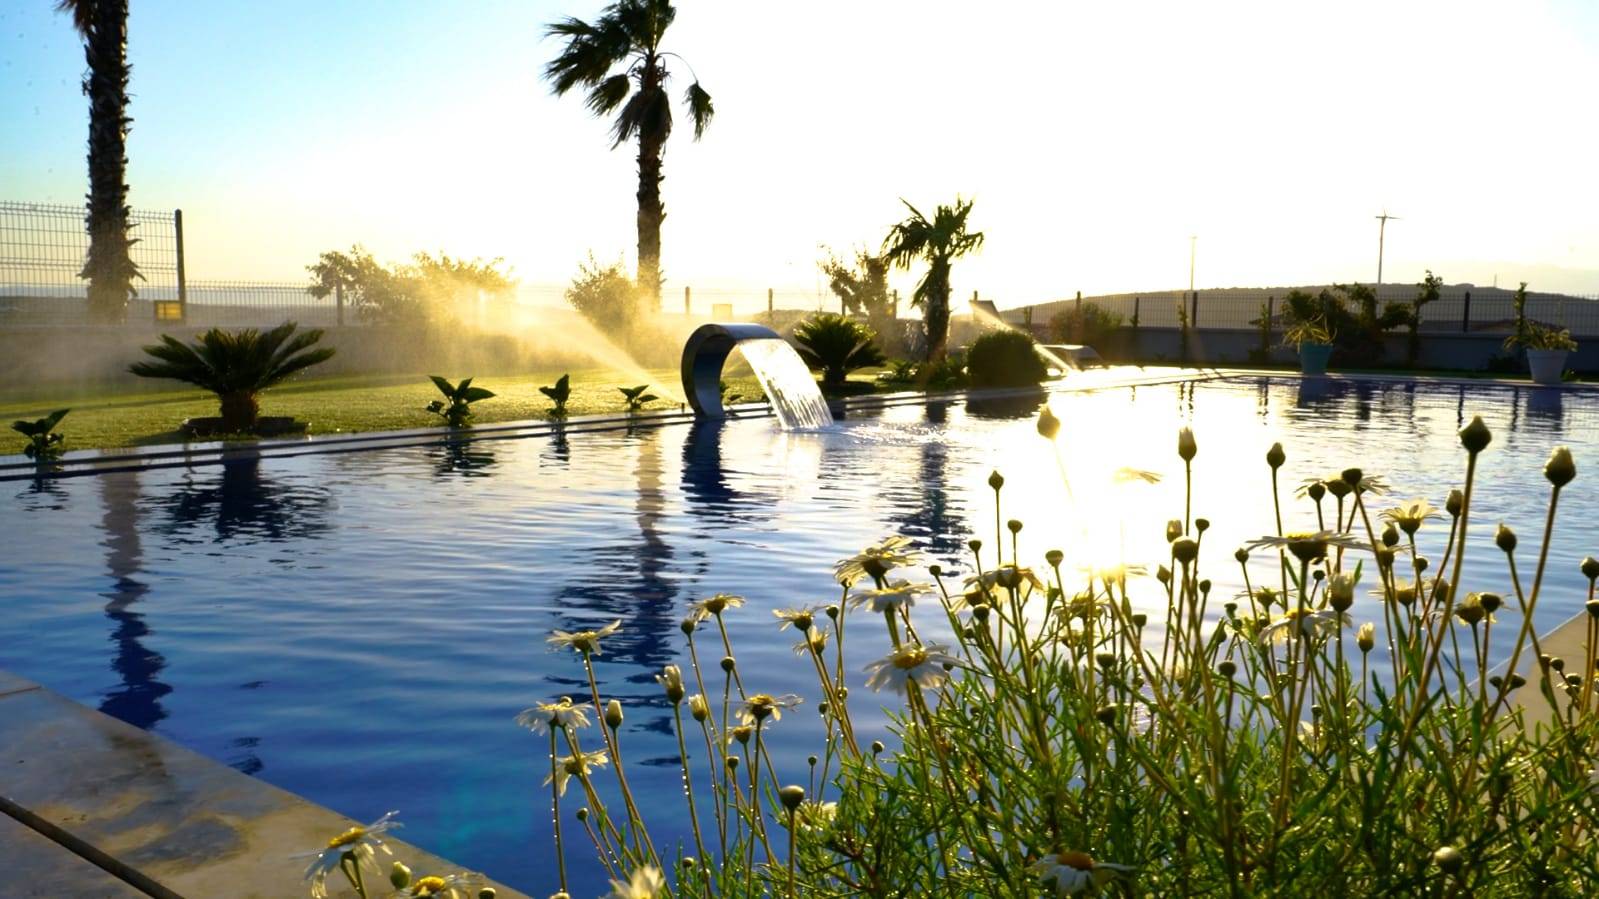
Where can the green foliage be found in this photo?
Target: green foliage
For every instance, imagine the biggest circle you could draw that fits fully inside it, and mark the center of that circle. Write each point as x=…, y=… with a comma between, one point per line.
x=1310, y=318
x=862, y=288
x=1262, y=353
x=835, y=346
x=235, y=365
x=607, y=297
x=44, y=444
x=456, y=407
x=1084, y=323
x=725, y=390
x=1346, y=316
x=558, y=394
x=1427, y=291
x=1535, y=335
x=1004, y=358
x=938, y=241
x=428, y=287
x=636, y=397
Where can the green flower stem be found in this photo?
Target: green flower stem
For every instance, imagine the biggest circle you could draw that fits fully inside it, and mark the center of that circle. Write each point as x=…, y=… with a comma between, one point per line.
x=555, y=812
x=688, y=788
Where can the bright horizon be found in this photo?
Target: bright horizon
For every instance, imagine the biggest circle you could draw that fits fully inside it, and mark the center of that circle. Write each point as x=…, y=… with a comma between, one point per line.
x=1095, y=139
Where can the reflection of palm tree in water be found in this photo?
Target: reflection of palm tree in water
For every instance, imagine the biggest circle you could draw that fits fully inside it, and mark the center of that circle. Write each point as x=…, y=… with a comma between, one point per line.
x=138, y=700
x=628, y=579
x=244, y=503
x=932, y=520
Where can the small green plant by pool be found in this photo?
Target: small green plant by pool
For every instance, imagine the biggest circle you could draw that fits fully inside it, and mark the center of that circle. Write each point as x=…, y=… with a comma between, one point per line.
x=559, y=393
x=836, y=346
x=1004, y=358
x=636, y=397
x=44, y=444
x=456, y=407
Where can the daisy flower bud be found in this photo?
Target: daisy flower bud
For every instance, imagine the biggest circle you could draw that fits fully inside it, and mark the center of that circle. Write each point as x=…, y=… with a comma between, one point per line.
x=1447, y=859
x=1227, y=668
x=1590, y=568
x=996, y=480
x=1140, y=619
x=1241, y=555
x=1455, y=503
x=698, y=707
x=1560, y=468
x=613, y=714
x=1390, y=536
x=1275, y=457
x=1316, y=491
x=1490, y=602
x=1048, y=424
x=1475, y=436
x=1366, y=637
x=728, y=664
x=1505, y=539
x=1014, y=526
x=1174, y=529
x=1185, y=550
x=1352, y=477
x=1054, y=557
x=791, y=796
x=975, y=545
x=400, y=876
x=1106, y=715
x=1593, y=608
x=877, y=747
x=1187, y=448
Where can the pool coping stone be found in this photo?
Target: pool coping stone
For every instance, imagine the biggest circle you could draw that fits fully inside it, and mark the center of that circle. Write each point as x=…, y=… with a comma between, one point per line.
x=124, y=812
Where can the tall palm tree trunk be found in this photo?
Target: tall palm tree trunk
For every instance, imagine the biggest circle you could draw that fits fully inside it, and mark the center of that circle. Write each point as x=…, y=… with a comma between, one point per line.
x=937, y=310
x=109, y=268
x=651, y=213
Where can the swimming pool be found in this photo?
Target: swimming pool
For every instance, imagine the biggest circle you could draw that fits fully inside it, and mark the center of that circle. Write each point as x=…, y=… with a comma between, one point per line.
x=361, y=628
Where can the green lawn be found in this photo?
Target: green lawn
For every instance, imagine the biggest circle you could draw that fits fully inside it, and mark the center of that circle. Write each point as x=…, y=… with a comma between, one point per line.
x=127, y=416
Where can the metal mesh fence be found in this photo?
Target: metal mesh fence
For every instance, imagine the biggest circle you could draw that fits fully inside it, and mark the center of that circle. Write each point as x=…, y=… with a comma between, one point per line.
x=42, y=252
x=1478, y=310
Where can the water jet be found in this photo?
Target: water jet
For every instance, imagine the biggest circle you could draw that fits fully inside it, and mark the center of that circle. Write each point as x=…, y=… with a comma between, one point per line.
x=795, y=398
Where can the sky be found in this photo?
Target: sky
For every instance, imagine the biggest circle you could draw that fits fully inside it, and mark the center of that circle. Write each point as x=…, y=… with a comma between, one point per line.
x=1096, y=138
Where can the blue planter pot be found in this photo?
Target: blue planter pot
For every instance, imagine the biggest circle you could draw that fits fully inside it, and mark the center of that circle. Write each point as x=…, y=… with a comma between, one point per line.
x=1313, y=358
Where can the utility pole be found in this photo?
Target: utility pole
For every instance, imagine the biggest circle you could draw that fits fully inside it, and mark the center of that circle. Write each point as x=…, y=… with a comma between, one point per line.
x=1193, y=244
x=1382, y=230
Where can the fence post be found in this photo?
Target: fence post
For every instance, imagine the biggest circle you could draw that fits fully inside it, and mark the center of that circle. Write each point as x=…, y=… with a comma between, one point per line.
x=685, y=299
x=771, y=316
x=338, y=304
x=183, y=284
x=1193, y=309
x=1465, y=314
x=1135, y=313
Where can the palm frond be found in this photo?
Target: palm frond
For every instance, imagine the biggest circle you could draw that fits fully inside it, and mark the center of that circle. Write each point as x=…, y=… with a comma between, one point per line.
x=82, y=12
x=609, y=94
x=700, y=109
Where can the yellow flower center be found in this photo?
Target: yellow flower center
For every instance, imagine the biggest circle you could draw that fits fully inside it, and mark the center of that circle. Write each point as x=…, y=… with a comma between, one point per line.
x=1306, y=547
x=909, y=657
x=349, y=837
x=428, y=886
x=1081, y=861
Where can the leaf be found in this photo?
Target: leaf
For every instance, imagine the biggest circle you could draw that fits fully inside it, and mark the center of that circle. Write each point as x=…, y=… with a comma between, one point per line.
x=473, y=394
x=445, y=387
x=53, y=419
x=25, y=428
x=648, y=397
x=548, y=391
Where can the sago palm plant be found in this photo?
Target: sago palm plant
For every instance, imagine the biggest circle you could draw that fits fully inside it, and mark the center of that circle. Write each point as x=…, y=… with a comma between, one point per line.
x=235, y=365
x=835, y=346
x=618, y=58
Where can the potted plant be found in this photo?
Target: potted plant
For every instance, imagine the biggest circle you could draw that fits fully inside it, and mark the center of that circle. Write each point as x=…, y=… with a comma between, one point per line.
x=1547, y=346
x=1314, y=341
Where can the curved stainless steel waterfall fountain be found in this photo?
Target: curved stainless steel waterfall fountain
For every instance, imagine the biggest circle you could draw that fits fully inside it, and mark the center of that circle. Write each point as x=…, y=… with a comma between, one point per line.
x=788, y=383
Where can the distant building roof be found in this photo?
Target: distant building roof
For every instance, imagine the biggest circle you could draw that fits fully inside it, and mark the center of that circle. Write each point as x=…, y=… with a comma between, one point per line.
x=985, y=308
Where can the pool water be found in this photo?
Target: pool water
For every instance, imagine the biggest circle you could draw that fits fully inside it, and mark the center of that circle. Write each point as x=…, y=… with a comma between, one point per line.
x=361, y=628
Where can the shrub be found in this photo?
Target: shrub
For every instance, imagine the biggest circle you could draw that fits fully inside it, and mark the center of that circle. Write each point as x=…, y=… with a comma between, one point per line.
x=1090, y=324
x=607, y=297
x=1004, y=359
x=456, y=407
x=235, y=365
x=1534, y=335
x=428, y=287
x=836, y=346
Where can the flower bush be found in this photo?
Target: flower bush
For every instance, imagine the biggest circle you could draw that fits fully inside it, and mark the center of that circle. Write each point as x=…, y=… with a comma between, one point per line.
x=1049, y=739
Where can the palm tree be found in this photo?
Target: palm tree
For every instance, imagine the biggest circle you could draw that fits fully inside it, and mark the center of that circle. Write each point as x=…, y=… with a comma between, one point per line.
x=618, y=59
x=235, y=365
x=103, y=24
x=940, y=241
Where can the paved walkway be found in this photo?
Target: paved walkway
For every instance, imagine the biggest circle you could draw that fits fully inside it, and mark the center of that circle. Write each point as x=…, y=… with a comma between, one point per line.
x=93, y=807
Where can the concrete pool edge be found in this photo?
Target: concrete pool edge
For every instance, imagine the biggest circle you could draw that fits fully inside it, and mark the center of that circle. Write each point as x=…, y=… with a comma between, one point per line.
x=103, y=803
x=184, y=455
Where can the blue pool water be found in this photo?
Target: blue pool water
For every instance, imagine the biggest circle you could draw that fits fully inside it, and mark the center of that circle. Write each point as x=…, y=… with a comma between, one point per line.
x=361, y=628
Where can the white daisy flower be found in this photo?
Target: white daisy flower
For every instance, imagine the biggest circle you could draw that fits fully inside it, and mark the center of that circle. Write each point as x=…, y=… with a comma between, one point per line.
x=699, y=610
x=359, y=842
x=1008, y=577
x=1071, y=873
x=586, y=642
x=1306, y=546
x=800, y=618
x=1308, y=623
x=561, y=715
x=646, y=883
x=761, y=706
x=892, y=597
x=448, y=886
x=876, y=560
x=580, y=765
x=922, y=664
